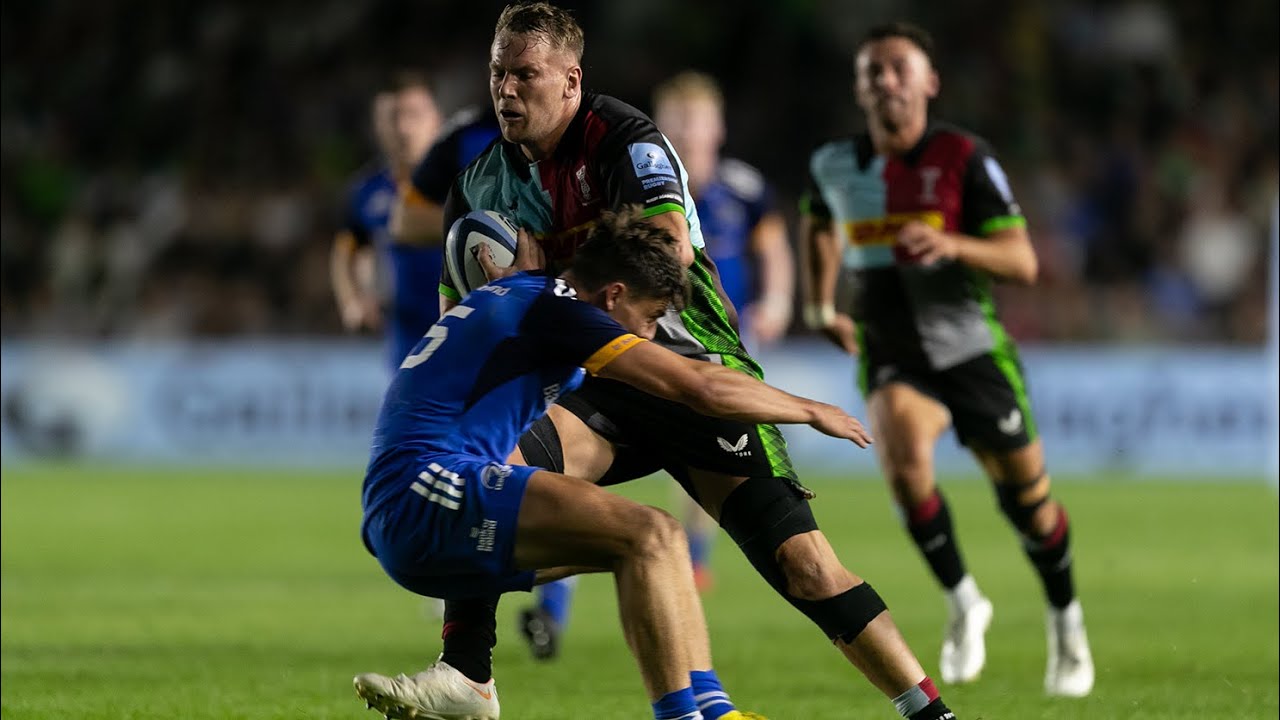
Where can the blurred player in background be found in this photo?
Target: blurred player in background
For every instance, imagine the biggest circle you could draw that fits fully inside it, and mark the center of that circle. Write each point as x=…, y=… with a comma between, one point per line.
x=418, y=218
x=377, y=280
x=567, y=157
x=746, y=238
x=920, y=218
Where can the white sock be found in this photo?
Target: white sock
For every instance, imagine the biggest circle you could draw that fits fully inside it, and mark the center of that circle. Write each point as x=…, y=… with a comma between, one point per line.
x=964, y=595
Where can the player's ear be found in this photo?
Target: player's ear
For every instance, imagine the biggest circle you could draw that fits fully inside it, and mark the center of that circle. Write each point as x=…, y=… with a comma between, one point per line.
x=573, y=82
x=613, y=293
x=933, y=85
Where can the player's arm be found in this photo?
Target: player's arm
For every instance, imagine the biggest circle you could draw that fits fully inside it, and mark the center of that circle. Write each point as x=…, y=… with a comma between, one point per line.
x=455, y=206
x=351, y=262
x=716, y=390
x=821, y=254
x=1006, y=254
x=418, y=217
x=415, y=220
x=995, y=238
x=638, y=166
x=677, y=224
x=771, y=311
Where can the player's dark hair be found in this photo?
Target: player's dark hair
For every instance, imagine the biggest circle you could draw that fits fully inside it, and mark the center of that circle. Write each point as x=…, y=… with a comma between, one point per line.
x=899, y=29
x=540, y=18
x=624, y=247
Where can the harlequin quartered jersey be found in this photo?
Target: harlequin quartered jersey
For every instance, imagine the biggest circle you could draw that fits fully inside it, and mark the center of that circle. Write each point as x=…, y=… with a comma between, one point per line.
x=950, y=181
x=611, y=155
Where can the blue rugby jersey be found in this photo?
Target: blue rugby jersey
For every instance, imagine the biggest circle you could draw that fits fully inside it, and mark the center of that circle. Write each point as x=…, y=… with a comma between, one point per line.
x=485, y=372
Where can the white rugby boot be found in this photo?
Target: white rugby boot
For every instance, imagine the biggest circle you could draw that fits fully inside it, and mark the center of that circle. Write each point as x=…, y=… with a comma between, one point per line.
x=438, y=693
x=964, y=643
x=1069, y=672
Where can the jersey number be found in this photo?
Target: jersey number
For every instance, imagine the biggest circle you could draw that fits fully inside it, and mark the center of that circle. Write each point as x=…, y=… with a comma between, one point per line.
x=436, y=337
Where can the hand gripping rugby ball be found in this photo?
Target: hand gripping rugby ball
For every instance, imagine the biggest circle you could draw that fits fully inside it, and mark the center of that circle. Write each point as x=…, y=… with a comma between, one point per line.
x=476, y=229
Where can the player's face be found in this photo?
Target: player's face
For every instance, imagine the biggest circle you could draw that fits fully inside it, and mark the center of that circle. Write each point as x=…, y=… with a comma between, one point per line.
x=534, y=87
x=416, y=122
x=638, y=314
x=694, y=124
x=895, y=82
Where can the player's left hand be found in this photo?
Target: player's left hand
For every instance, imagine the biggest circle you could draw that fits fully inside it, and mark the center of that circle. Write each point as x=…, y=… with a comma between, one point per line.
x=927, y=244
x=529, y=256
x=768, y=318
x=831, y=420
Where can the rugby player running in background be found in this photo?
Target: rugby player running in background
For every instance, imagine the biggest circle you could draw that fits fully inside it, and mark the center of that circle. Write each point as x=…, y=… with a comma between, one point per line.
x=405, y=123
x=919, y=219
x=418, y=217
x=568, y=156
x=447, y=518
x=745, y=235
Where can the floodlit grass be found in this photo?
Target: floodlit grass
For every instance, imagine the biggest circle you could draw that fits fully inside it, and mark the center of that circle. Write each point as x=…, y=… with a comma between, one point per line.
x=233, y=594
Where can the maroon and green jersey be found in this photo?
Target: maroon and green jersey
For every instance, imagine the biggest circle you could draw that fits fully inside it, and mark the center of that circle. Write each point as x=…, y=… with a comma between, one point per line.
x=610, y=156
x=943, y=313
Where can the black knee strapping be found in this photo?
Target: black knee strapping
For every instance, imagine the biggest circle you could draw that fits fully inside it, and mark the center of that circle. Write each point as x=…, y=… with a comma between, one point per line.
x=844, y=616
x=762, y=513
x=1011, y=504
x=540, y=446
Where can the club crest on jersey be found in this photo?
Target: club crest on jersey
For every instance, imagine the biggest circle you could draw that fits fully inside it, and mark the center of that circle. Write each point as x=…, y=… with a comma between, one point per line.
x=587, y=196
x=495, y=476
x=929, y=183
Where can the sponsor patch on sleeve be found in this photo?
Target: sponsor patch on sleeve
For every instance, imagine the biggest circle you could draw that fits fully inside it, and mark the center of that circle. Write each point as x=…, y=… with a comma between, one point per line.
x=999, y=179
x=650, y=159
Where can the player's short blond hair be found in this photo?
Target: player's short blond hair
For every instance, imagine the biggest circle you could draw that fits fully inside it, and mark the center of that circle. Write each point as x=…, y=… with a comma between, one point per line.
x=688, y=85
x=540, y=18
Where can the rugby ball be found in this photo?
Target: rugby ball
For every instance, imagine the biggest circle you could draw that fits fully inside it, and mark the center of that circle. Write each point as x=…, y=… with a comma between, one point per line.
x=476, y=229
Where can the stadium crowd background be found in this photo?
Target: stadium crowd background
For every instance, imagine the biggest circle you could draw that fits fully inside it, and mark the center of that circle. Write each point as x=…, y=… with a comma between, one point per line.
x=172, y=170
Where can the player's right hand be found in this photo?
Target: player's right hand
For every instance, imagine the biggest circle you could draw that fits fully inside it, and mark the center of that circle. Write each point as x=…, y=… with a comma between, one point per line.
x=359, y=313
x=831, y=420
x=529, y=256
x=840, y=330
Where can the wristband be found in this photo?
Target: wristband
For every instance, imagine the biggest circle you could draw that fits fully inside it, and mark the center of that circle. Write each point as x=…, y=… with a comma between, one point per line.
x=818, y=316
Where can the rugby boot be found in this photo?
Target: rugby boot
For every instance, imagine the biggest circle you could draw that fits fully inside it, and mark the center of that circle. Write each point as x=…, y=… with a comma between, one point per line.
x=438, y=693
x=964, y=644
x=1069, y=672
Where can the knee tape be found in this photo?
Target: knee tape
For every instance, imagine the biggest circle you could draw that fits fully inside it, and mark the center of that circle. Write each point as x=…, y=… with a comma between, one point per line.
x=540, y=446
x=844, y=616
x=1011, y=504
x=761, y=513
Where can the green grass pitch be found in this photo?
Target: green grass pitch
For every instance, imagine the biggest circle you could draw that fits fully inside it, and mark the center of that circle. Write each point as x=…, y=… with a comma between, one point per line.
x=230, y=594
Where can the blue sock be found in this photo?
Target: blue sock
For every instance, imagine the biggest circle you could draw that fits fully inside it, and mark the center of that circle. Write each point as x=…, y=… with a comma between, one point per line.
x=699, y=546
x=556, y=598
x=677, y=705
x=712, y=700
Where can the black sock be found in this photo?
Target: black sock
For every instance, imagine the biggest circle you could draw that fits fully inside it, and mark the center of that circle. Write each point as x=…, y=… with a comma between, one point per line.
x=470, y=632
x=936, y=710
x=930, y=526
x=1051, y=557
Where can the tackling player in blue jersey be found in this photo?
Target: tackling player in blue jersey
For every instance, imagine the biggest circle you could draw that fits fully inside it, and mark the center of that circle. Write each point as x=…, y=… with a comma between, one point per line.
x=405, y=124
x=447, y=517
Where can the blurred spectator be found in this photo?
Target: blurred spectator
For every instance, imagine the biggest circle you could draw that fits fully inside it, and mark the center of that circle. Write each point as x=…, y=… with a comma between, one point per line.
x=171, y=170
